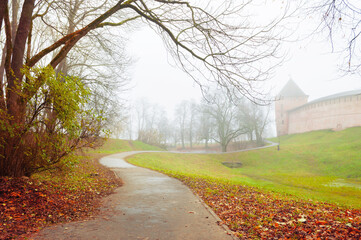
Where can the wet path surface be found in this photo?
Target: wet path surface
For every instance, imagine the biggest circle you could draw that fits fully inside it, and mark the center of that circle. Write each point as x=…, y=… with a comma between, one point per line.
x=149, y=205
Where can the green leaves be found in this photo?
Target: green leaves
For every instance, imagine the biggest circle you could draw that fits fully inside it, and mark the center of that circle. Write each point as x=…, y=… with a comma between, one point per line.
x=57, y=120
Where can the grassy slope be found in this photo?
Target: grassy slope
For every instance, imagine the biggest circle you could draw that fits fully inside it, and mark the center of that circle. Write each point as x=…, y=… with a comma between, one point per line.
x=116, y=145
x=321, y=165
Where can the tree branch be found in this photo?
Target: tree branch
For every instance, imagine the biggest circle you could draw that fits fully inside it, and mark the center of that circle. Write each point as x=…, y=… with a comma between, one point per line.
x=3, y=6
x=75, y=35
x=117, y=24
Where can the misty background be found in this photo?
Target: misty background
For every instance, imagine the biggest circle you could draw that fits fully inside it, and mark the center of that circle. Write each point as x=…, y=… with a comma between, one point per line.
x=161, y=88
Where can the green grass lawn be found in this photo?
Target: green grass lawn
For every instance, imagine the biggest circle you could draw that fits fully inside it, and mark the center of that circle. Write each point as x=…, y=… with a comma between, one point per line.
x=320, y=165
x=117, y=145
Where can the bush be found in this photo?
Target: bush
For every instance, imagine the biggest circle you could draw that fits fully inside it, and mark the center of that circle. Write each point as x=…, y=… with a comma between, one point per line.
x=57, y=122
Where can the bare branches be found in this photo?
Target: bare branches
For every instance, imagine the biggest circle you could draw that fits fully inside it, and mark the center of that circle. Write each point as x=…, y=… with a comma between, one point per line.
x=342, y=21
x=205, y=42
x=119, y=23
x=71, y=39
x=209, y=46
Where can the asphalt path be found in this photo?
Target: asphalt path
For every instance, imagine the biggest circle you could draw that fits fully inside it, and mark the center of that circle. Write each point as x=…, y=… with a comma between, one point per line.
x=149, y=206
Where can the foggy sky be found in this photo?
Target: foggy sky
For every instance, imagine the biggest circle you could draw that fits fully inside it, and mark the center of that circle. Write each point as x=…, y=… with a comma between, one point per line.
x=309, y=63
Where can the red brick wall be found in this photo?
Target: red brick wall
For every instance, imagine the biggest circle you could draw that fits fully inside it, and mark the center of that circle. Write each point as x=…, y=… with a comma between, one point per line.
x=336, y=114
x=282, y=105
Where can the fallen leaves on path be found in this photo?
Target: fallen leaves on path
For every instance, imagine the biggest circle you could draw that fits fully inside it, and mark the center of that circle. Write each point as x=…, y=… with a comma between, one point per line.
x=253, y=214
x=29, y=204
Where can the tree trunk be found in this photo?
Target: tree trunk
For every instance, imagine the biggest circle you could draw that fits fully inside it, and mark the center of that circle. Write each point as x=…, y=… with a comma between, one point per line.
x=3, y=4
x=190, y=139
x=11, y=157
x=224, y=147
x=12, y=139
x=182, y=139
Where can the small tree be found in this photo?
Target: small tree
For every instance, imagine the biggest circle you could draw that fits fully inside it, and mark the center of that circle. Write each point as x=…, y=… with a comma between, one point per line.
x=57, y=122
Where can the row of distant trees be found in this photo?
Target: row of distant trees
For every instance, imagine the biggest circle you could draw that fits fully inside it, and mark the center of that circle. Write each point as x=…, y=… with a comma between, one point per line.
x=215, y=119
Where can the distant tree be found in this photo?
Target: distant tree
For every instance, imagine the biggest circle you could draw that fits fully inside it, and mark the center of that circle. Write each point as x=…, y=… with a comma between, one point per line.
x=152, y=123
x=164, y=129
x=204, y=124
x=174, y=133
x=192, y=118
x=224, y=114
x=141, y=108
x=182, y=112
x=254, y=119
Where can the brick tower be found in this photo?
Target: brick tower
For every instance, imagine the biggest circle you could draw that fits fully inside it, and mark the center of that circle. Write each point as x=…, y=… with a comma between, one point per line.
x=290, y=97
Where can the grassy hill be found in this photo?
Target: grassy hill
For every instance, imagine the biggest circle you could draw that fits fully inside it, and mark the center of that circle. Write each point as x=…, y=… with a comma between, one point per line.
x=320, y=165
x=117, y=145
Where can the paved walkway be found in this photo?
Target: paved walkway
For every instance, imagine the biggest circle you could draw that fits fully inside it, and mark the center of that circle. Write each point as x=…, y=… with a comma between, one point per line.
x=149, y=206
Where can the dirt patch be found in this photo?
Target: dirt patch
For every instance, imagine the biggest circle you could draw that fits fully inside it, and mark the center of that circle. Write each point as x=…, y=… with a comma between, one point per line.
x=232, y=164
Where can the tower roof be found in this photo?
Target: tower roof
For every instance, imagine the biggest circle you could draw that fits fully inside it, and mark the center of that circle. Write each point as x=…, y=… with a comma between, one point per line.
x=291, y=89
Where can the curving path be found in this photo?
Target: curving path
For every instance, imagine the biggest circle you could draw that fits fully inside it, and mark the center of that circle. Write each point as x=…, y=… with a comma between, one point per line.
x=149, y=206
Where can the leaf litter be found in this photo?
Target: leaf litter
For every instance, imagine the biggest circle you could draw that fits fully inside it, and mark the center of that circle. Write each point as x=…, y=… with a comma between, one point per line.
x=29, y=204
x=253, y=214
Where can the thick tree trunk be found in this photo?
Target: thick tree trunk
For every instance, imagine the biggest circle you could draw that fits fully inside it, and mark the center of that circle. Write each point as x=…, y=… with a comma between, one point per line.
x=11, y=159
x=3, y=4
x=2, y=71
x=16, y=105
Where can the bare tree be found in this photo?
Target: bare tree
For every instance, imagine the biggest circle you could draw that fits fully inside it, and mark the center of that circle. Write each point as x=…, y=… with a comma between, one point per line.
x=192, y=117
x=224, y=112
x=204, y=124
x=153, y=126
x=181, y=115
x=141, y=115
x=254, y=119
x=164, y=129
